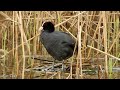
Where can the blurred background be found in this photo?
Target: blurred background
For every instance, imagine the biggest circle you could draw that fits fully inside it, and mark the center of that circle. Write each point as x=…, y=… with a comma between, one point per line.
x=23, y=56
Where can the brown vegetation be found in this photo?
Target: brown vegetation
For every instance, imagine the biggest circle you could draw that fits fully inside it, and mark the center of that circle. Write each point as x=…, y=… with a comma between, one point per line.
x=97, y=32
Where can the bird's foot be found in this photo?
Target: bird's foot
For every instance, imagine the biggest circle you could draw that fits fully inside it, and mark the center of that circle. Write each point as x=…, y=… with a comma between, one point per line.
x=52, y=69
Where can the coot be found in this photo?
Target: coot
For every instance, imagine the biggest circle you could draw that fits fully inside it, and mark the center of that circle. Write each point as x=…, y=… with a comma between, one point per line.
x=59, y=45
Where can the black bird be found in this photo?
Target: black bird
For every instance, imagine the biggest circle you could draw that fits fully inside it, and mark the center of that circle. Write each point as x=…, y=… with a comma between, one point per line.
x=59, y=45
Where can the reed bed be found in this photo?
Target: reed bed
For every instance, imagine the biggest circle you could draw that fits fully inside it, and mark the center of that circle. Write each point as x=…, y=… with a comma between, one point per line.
x=97, y=34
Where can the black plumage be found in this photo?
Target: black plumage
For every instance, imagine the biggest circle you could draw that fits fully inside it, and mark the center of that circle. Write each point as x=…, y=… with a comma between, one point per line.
x=59, y=45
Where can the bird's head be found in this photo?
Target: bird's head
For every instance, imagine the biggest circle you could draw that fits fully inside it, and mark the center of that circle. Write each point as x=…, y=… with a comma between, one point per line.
x=48, y=26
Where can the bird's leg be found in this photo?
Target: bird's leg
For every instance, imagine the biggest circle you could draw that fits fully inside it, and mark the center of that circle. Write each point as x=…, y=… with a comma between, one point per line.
x=62, y=65
x=62, y=70
x=53, y=65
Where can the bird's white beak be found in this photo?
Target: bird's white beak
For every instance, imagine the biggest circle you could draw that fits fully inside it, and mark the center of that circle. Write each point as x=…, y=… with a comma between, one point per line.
x=40, y=29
